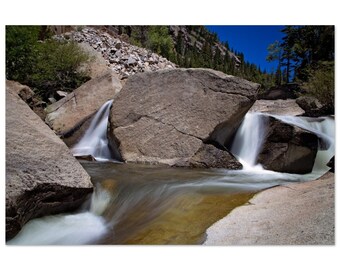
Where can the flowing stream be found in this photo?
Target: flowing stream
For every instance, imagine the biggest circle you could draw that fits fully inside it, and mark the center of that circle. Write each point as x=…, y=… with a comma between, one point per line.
x=141, y=204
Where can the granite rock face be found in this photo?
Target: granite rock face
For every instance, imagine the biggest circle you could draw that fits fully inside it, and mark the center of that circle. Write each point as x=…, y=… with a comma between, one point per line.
x=165, y=116
x=69, y=114
x=42, y=176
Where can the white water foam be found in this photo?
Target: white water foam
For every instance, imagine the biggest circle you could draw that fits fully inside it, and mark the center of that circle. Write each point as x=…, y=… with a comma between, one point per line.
x=67, y=229
x=94, y=142
x=248, y=140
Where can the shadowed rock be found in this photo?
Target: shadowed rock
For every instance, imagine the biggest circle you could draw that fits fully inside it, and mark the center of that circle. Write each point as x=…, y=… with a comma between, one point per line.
x=42, y=176
x=288, y=148
x=208, y=156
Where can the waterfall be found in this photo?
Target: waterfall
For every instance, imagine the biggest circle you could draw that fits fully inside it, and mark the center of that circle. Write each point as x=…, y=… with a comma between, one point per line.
x=324, y=128
x=94, y=142
x=250, y=135
x=249, y=139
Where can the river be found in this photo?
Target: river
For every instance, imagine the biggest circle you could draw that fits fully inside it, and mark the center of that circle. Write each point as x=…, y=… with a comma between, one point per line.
x=144, y=204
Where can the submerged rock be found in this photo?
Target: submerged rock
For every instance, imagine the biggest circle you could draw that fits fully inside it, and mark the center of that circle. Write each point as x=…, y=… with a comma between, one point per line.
x=164, y=116
x=69, y=114
x=288, y=148
x=42, y=177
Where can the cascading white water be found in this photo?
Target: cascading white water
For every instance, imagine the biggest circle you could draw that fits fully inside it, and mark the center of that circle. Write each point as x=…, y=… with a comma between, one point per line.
x=90, y=227
x=94, y=142
x=249, y=139
x=67, y=229
x=324, y=128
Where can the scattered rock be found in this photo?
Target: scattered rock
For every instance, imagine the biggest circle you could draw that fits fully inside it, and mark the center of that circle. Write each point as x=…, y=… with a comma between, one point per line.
x=61, y=94
x=288, y=148
x=42, y=176
x=163, y=116
x=116, y=54
x=52, y=100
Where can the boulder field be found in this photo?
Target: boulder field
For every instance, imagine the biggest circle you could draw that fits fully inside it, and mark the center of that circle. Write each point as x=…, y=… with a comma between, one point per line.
x=42, y=176
x=169, y=116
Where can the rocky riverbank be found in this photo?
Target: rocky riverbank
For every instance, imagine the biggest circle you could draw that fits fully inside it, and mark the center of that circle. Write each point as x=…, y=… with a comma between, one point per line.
x=295, y=214
x=121, y=57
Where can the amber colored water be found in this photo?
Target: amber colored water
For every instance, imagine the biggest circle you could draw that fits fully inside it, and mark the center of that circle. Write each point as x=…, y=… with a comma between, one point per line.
x=161, y=205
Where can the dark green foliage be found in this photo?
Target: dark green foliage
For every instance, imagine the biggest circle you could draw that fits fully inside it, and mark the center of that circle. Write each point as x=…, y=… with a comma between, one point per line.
x=46, y=66
x=321, y=84
x=20, y=51
x=308, y=52
x=160, y=41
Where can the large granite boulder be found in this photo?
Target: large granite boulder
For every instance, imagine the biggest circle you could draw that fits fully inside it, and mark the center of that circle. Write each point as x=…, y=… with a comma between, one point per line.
x=313, y=107
x=69, y=114
x=288, y=148
x=209, y=156
x=97, y=65
x=165, y=116
x=285, y=91
x=42, y=176
x=28, y=96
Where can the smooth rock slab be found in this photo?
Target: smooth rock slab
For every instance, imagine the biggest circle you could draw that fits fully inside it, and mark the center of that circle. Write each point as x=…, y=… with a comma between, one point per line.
x=296, y=214
x=42, y=176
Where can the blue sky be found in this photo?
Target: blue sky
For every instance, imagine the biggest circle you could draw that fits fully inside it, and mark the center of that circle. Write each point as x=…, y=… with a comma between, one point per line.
x=252, y=41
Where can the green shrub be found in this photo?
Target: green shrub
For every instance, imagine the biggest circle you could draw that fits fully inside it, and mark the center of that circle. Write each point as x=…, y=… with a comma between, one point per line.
x=56, y=67
x=46, y=66
x=160, y=41
x=321, y=83
x=20, y=51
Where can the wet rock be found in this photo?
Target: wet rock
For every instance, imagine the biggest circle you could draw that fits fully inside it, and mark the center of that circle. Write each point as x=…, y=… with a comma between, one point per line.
x=42, y=176
x=288, y=148
x=208, y=156
x=331, y=164
x=163, y=116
